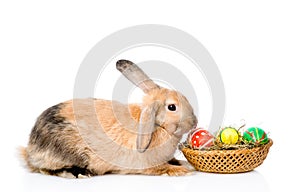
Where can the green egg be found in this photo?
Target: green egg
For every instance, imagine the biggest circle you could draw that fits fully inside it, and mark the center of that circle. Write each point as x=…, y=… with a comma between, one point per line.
x=255, y=135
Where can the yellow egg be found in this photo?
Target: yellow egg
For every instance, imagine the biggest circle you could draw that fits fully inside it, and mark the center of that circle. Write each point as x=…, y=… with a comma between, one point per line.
x=229, y=136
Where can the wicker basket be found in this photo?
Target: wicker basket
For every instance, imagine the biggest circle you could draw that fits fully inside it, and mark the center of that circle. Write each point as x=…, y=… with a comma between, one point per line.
x=227, y=161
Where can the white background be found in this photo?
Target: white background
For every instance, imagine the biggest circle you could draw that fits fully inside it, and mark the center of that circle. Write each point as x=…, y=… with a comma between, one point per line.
x=256, y=45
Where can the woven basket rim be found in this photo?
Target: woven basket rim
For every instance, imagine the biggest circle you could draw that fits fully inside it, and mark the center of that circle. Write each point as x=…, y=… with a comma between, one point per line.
x=267, y=145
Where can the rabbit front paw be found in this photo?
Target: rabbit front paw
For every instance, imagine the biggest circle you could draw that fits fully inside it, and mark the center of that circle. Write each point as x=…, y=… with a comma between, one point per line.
x=174, y=170
x=169, y=170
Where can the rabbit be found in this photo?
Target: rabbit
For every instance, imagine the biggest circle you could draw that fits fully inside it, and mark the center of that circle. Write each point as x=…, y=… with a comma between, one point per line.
x=80, y=138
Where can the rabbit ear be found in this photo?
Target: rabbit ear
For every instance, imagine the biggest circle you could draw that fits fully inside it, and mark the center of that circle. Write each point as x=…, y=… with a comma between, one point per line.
x=146, y=127
x=133, y=73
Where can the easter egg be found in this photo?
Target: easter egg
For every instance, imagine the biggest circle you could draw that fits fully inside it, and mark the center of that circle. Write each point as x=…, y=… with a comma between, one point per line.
x=201, y=138
x=255, y=135
x=229, y=136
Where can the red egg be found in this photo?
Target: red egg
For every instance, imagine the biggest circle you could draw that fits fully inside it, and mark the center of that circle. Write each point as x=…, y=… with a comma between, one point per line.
x=201, y=138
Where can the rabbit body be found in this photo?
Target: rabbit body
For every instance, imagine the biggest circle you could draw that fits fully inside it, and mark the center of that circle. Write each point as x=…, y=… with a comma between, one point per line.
x=86, y=137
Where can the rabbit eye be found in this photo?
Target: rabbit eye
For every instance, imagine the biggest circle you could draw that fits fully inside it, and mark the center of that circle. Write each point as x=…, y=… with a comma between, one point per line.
x=172, y=107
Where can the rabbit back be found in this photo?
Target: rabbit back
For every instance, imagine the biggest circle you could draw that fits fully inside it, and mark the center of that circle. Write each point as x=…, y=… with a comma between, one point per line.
x=68, y=136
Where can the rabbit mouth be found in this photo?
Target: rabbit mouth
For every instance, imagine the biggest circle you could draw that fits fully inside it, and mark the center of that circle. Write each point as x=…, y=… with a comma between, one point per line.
x=181, y=130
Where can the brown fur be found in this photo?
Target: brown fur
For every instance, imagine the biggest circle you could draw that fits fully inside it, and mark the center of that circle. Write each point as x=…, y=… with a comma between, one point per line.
x=76, y=141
